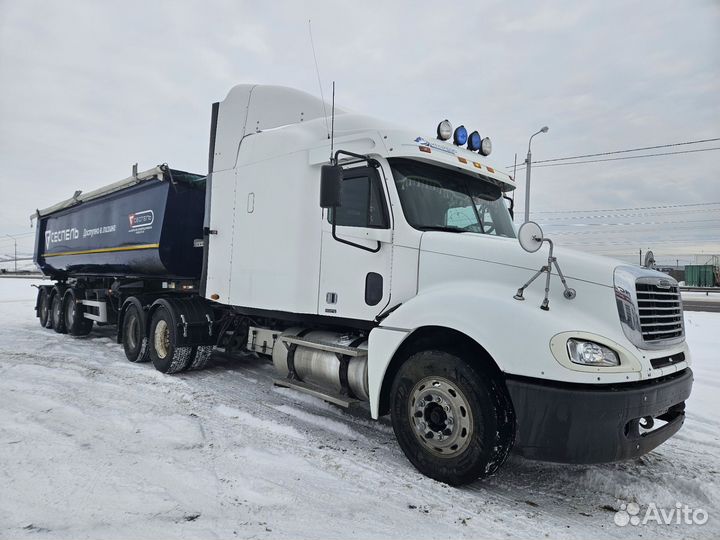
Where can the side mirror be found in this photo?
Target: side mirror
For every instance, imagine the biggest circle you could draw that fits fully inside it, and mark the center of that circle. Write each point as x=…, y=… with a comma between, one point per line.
x=530, y=236
x=331, y=177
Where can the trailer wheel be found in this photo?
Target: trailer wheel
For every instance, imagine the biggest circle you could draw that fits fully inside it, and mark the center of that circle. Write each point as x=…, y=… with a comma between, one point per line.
x=135, y=342
x=453, y=423
x=166, y=356
x=44, y=308
x=56, y=312
x=201, y=357
x=75, y=322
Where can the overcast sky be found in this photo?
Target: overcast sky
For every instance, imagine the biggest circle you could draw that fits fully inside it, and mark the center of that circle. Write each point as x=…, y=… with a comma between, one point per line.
x=89, y=88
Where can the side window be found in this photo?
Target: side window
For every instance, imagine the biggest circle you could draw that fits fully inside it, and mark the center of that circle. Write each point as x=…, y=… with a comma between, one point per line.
x=363, y=204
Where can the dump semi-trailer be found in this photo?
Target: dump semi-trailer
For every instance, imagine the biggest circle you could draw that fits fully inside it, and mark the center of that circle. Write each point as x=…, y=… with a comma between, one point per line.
x=407, y=287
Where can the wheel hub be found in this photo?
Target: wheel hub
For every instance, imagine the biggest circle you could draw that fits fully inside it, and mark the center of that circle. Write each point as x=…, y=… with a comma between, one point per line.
x=441, y=416
x=162, y=339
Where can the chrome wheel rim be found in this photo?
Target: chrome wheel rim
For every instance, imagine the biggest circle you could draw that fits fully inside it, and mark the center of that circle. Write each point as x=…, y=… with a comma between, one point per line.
x=162, y=339
x=440, y=416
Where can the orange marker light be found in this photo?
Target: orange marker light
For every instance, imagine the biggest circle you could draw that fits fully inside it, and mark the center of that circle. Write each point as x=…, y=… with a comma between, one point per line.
x=462, y=159
x=477, y=165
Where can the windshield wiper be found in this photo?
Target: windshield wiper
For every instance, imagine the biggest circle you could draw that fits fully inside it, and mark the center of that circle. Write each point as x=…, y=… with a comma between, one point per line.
x=443, y=228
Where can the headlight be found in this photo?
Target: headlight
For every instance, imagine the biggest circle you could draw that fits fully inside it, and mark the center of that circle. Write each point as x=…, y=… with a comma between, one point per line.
x=589, y=353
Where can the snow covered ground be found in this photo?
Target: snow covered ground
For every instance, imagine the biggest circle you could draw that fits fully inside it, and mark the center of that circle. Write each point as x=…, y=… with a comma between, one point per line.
x=92, y=446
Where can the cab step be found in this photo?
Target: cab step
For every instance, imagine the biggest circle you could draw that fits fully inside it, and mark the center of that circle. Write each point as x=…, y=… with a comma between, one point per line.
x=337, y=399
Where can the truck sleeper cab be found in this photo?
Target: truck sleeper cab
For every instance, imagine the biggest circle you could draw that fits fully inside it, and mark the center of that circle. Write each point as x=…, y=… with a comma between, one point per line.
x=382, y=267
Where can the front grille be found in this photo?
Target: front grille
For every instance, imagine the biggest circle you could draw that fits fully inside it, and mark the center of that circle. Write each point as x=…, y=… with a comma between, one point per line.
x=660, y=312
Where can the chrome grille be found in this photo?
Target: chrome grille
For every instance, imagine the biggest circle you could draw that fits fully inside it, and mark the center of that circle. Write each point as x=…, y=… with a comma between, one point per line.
x=659, y=311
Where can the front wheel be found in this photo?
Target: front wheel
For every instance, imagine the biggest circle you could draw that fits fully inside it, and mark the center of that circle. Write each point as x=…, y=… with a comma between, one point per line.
x=453, y=423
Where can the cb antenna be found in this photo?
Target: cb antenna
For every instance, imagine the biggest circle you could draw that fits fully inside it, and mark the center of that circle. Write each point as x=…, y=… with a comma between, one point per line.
x=317, y=70
x=332, y=127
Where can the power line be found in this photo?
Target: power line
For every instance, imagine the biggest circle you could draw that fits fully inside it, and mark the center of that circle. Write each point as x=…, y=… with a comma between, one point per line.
x=674, y=213
x=664, y=206
x=633, y=224
x=626, y=157
x=684, y=143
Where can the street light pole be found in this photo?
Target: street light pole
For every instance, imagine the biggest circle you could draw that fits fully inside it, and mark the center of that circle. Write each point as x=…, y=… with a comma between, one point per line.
x=14, y=242
x=528, y=164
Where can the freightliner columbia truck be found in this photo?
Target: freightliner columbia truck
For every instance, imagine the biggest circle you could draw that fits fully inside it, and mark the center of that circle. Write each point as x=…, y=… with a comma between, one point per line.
x=379, y=265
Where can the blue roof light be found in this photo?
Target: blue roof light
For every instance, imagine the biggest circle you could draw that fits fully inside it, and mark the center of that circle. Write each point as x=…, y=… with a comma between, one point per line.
x=460, y=136
x=474, y=141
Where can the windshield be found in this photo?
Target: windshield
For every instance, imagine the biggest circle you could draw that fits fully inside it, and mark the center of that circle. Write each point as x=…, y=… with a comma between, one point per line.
x=434, y=198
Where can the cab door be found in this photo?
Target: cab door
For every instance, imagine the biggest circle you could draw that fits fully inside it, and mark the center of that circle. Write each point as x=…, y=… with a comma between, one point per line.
x=356, y=262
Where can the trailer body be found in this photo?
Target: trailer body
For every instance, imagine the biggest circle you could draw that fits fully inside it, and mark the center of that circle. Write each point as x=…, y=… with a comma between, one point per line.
x=142, y=228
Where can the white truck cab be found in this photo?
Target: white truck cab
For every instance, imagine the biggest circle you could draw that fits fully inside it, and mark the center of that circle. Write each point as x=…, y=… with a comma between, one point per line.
x=416, y=251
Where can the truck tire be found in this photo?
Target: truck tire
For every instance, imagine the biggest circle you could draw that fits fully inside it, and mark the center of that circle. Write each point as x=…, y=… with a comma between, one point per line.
x=44, y=308
x=201, y=357
x=135, y=342
x=57, y=314
x=452, y=422
x=75, y=322
x=166, y=356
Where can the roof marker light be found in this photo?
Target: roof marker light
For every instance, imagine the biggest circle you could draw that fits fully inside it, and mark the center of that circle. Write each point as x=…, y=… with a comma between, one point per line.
x=474, y=140
x=486, y=146
x=460, y=136
x=462, y=159
x=425, y=149
x=477, y=165
x=444, y=130
x=490, y=169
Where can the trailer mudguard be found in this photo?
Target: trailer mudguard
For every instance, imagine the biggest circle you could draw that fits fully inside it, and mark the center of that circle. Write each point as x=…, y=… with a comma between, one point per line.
x=192, y=317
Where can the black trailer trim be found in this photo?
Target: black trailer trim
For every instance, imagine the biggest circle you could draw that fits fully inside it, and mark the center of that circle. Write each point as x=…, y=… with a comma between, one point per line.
x=208, y=196
x=307, y=319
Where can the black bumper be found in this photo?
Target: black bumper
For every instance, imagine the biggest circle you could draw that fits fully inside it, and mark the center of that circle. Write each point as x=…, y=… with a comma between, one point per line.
x=572, y=423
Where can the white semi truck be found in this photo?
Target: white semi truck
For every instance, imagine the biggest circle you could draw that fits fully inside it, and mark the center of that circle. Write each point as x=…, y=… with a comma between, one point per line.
x=380, y=265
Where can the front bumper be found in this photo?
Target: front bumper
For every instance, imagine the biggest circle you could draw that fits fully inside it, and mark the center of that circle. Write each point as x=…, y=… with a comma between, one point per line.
x=572, y=423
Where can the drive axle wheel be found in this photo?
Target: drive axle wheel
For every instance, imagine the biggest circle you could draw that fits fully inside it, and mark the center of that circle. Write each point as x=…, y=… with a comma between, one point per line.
x=454, y=423
x=166, y=356
x=135, y=342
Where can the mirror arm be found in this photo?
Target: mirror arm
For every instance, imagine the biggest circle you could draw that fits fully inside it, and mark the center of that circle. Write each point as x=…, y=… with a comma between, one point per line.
x=511, y=210
x=359, y=158
x=348, y=242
